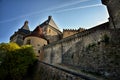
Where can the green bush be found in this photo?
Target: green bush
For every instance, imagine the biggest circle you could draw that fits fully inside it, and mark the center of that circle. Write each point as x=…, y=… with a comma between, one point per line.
x=15, y=61
x=91, y=45
x=105, y=39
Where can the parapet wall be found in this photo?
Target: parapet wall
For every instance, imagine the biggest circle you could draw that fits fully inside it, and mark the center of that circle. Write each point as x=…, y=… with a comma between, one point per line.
x=53, y=52
x=70, y=32
x=95, y=50
x=59, y=72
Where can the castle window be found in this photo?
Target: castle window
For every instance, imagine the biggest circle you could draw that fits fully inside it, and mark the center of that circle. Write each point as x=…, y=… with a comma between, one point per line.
x=38, y=51
x=49, y=31
x=38, y=45
x=28, y=41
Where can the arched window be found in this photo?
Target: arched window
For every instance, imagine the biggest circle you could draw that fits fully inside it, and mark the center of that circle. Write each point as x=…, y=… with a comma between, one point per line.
x=28, y=41
x=38, y=51
x=49, y=31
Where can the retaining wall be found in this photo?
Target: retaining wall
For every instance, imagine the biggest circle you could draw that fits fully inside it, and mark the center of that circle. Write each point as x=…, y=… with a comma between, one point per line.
x=87, y=51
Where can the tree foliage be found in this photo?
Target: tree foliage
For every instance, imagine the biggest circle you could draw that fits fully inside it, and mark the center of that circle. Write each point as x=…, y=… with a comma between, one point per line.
x=15, y=60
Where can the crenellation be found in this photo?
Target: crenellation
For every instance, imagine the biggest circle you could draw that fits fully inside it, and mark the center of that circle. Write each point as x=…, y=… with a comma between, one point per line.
x=84, y=33
x=83, y=36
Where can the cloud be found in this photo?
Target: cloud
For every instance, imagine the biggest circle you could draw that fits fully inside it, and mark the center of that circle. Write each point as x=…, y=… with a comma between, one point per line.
x=68, y=4
x=22, y=16
x=46, y=10
x=75, y=8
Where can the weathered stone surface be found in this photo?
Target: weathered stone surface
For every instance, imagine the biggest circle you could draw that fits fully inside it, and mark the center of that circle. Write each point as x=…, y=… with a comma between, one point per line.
x=60, y=72
x=95, y=50
x=91, y=53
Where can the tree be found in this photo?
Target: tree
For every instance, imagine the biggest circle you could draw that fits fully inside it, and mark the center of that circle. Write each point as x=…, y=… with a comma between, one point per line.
x=15, y=60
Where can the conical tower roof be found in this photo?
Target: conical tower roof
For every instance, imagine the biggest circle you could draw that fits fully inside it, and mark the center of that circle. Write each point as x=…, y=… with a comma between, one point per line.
x=37, y=32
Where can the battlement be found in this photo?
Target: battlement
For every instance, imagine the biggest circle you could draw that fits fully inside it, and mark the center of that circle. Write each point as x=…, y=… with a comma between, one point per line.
x=74, y=29
x=91, y=30
x=69, y=32
x=104, y=26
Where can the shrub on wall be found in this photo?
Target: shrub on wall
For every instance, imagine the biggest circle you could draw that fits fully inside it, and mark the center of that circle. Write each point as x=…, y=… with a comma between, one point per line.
x=105, y=38
x=15, y=61
x=91, y=45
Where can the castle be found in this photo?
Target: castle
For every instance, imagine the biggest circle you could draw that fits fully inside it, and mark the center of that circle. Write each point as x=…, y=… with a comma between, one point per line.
x=94, y=50
x=44, y=34
x=18, y=36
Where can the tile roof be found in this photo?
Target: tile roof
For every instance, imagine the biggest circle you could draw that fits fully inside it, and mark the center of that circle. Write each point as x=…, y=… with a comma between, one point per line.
x=37, y=32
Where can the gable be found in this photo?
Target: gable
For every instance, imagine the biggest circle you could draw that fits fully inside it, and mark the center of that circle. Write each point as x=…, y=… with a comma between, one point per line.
x=52, y=23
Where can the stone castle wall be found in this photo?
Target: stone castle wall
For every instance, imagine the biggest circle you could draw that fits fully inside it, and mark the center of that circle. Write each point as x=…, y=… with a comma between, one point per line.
x=67, y=32
x=100, y=58
x=37, y=44
x=60, y=72
x=88, y=51
x=54, y=52
x=95, y=50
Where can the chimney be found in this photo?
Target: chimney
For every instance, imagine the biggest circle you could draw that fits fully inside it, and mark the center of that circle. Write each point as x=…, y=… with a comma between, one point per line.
x=49, y=17
x=25, y=26
x=26, y=23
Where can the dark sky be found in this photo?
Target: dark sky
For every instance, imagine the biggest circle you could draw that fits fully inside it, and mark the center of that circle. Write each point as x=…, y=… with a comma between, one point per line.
x=71, y=14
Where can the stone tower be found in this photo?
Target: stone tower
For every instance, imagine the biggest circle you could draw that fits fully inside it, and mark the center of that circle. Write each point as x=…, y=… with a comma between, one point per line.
x=37, y=40
x=43, y=34
x=17, y=37
x=113, y=7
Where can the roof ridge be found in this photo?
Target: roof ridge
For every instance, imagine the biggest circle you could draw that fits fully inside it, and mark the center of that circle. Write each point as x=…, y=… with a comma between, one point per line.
x=52, y=22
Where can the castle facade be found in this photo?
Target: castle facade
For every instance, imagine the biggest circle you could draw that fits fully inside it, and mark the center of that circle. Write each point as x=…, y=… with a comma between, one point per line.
x=95, y=50
x=44, y=34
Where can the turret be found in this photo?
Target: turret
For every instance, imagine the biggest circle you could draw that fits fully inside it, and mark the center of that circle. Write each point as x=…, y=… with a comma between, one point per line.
x=18, y=36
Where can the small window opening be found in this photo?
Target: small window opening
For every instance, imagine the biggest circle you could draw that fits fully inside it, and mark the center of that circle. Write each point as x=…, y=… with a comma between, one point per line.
x=38, y=51
x=28, y=41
